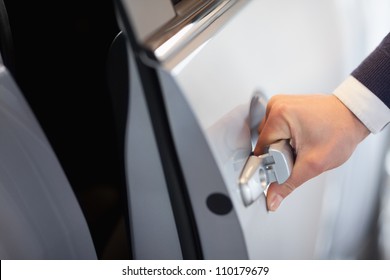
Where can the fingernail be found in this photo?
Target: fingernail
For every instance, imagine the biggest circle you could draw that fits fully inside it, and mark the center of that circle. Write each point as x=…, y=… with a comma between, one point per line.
x=275, y=201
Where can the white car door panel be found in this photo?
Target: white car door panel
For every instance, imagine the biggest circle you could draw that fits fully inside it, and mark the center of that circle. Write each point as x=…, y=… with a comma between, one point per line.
x=207, y=77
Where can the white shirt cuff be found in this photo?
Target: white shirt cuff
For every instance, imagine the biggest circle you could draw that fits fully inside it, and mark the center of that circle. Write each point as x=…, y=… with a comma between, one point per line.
x=366, y=106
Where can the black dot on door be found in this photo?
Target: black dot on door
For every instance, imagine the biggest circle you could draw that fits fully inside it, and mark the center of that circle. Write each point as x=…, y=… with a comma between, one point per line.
x=219, y=203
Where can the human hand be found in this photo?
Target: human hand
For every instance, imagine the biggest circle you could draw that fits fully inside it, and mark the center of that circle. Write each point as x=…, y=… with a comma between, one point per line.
x=322, y=131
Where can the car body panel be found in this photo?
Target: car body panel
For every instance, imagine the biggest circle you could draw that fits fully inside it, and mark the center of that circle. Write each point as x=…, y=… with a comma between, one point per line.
x=39, y=213
x=207, y=85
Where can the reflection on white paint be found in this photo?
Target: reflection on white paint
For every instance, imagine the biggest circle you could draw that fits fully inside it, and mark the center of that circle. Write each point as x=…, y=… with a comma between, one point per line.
x=165, y=48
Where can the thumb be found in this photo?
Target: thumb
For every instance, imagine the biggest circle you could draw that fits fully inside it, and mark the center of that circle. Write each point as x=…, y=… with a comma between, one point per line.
x=302, y=172
x=276, y=193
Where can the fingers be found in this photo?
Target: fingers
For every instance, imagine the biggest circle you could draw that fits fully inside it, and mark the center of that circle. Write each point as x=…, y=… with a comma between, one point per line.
x=280, y=122
x=274, y=126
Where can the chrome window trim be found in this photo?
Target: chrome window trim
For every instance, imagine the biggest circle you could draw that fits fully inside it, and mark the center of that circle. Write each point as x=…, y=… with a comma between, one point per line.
x=188, y=24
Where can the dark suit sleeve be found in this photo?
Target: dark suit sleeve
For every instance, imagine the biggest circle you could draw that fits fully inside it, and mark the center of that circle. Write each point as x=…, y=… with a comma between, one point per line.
x=374, y=71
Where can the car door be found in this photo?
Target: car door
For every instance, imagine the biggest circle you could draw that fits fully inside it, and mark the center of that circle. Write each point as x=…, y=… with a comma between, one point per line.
x=194, y=68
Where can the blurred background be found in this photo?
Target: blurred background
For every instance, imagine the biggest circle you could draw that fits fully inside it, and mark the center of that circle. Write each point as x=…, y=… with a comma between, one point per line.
x=61, y=52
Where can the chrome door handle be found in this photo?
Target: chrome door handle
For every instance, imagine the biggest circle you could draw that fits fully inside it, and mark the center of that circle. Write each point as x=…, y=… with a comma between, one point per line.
x=275, y=165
